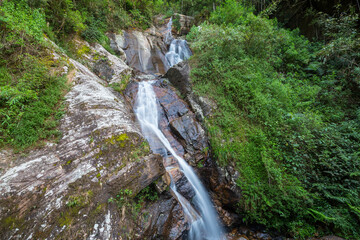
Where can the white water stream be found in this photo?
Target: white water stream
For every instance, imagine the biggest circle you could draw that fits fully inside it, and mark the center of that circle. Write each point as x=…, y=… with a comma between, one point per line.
x=179, y=49
x=204, y=222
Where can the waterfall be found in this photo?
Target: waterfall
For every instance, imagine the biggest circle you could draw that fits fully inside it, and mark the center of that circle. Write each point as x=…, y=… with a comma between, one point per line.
x=178, y=50
x=168, y=35
x=203, y=221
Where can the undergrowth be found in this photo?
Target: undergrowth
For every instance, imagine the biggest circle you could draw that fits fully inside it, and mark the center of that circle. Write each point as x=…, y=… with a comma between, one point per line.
x=31, y=85
x=287, y=118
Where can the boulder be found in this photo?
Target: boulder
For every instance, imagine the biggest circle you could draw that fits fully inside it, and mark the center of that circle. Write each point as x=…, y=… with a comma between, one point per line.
x=166, y=220
x=179, y=76
x=105, y=65
x=144, y=51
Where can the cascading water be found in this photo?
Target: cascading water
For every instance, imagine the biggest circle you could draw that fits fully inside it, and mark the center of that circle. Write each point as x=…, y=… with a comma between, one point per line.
x=179, y=49
x=204, y=223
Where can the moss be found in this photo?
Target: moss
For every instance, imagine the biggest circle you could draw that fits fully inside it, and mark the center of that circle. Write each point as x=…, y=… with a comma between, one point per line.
x=11, y=222
x=140, y=151
x=74, y=204
x=64, y=220
x=83, y=50
x=90, y=193
x=118, y=139
x=121, y=86
x=99, y=208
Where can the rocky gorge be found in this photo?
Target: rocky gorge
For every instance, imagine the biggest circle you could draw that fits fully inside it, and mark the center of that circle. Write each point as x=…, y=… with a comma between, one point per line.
x=69, y=189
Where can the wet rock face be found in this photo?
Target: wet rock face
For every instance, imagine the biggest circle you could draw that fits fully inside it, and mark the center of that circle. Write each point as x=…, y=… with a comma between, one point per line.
x=145, y=51
x=190, y=131
x=179, y=76
x=221, y=180
x=180, y=122
x=166, y=220
x=184, y=133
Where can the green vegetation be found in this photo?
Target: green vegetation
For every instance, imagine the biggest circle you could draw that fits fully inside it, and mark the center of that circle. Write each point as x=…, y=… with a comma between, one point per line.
x=31, y=85
x=134, y=204
x=121, y=86
x=287, y=117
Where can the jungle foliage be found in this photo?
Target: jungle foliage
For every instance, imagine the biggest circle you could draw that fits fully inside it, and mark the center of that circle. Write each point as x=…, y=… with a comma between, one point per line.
x=287, y=117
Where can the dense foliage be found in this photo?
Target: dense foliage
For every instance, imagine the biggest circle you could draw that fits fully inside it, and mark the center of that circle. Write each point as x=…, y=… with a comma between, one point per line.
x=29, y=91
x=287, y=117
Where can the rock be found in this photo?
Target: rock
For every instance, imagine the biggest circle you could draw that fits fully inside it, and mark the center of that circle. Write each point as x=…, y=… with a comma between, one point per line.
x=186, y=22
x=145, y=52
x=117, y=43
x=228, y=193
x=263, y=236
x=184, y=188
x=189, y=130
x=105, y=65
x=136, y=175
x=166, y=220
x=179, y=76
x=161, y=185
x=102, y=69
x=173, y=106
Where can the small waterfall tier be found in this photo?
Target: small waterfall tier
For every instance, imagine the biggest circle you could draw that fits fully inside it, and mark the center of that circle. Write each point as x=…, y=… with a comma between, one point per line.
x=179, y=49
x=199, y=212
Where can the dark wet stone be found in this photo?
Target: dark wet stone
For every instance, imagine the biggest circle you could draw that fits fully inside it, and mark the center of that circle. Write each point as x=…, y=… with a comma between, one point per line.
x=173, y=106
x=184, y=188
x=190, y=130
x=166, y=220
x=179, y=76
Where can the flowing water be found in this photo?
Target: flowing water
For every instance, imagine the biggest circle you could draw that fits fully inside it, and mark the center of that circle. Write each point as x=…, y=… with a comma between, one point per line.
x=199, y=211
x=204, y=220
x=179, y=49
